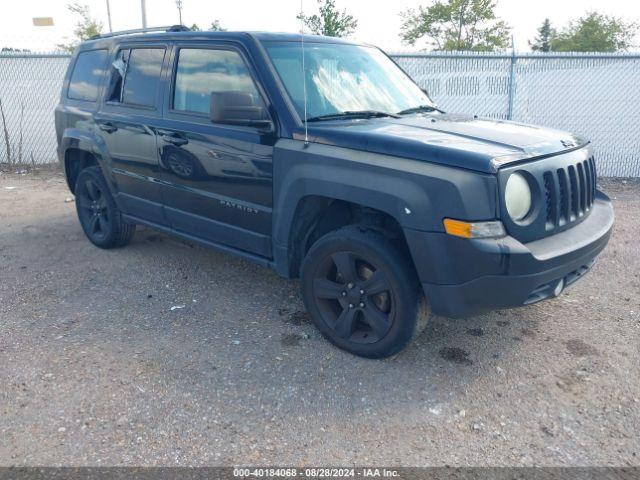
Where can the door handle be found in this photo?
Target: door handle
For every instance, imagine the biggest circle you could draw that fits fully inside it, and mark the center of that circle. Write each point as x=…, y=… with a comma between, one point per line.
x=173, y=138
x=107, y=127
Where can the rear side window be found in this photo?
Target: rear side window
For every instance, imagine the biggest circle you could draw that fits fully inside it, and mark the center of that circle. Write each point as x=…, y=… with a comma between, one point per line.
x=135, y=75
x=203, y=71
x=87, y=75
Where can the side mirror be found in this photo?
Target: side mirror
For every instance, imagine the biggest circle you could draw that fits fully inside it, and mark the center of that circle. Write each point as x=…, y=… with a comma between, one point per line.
x=238, y=108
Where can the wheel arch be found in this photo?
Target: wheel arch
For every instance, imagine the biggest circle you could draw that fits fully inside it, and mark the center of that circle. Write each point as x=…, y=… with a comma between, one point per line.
x=78, y=150
x=316, y=199
x=317, y=215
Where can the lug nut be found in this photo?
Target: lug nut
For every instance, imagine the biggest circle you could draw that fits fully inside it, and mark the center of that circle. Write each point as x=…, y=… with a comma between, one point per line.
x=361, y=292
x=351, y=305
x=361, y=304
x=350, y=285
x=344, y=294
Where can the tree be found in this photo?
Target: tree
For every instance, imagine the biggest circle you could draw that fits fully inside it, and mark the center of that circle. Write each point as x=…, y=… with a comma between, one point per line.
x=456, y=25
x=215, y=27
x=546, y=36
x=595, y=33
x=15, y=50
x=330, y=21
x=86, y=27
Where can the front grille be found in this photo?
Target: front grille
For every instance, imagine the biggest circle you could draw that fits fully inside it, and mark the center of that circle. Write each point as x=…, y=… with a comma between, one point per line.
x=569, y=192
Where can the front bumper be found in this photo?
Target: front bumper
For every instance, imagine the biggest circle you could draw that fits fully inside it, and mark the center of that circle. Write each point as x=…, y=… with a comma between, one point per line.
x=462, y=277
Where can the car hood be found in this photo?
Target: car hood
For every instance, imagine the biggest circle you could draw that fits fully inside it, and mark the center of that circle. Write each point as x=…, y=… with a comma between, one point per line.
x=480, y=144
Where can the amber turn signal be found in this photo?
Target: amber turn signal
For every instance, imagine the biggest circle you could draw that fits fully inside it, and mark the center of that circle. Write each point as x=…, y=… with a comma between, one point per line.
x=459, y=228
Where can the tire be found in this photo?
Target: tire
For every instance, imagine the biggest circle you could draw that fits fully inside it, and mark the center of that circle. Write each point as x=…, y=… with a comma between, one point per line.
x=362, y=292
x=98, y=213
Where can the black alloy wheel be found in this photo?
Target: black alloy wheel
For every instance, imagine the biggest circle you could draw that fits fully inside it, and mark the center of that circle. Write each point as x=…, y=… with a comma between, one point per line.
x=354, y=297
x=362, y=292
x=98, y=213
x=92, y=210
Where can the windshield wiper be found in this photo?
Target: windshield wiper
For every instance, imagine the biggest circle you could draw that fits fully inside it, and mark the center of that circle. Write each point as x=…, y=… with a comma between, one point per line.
x=352, y=114
x=420, y=109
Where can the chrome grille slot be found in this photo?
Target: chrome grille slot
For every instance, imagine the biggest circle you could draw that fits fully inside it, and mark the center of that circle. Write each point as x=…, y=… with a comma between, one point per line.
x=563, y=183
x=575, y=201
x=583, y=189
x=550, y=194
x=587, y=175
x=594, y=178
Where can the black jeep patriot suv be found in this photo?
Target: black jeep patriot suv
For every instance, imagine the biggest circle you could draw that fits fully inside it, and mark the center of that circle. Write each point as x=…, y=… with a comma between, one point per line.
x=323, y=160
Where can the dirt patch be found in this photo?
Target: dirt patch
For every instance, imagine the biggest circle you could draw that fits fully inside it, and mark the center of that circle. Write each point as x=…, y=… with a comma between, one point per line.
x=455, y=355
x=291, y=340
x=527, y=332
x=475, y=332
x=579, y=348
x=298, y=318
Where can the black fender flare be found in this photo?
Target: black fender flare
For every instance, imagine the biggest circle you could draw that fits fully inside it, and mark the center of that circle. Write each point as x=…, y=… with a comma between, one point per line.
x=397, y=197
x=73, y=138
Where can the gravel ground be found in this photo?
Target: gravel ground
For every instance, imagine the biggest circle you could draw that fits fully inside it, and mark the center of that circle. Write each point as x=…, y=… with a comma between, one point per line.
x=165, y=353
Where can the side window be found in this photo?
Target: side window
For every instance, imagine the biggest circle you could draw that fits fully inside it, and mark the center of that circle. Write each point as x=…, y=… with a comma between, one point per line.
x=135, y=75
x=87, y=75
x=118, y=70
x=201, y=72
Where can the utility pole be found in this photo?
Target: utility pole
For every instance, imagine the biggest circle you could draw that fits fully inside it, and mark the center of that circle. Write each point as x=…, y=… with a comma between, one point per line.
x=512, y=79
x=143, y=6
x=179, y=5
x=109, y=16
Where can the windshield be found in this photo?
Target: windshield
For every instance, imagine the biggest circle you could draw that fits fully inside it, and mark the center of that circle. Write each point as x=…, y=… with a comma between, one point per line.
x=344, y=78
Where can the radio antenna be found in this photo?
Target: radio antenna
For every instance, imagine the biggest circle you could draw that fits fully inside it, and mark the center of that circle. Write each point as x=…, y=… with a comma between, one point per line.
x=304, y=75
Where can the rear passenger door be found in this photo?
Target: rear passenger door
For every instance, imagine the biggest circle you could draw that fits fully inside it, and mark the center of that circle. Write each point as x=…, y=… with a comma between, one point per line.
x=127, y=123
x=217, y=177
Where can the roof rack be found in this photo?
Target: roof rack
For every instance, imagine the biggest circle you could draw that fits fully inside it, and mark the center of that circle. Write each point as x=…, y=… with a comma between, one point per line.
x=170, y=28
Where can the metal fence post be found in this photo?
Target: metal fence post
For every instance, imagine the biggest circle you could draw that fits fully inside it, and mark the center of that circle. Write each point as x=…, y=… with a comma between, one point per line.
x=512, y=80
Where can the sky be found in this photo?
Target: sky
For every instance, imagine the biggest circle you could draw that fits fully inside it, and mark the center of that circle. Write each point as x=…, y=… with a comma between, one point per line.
x=378, y=21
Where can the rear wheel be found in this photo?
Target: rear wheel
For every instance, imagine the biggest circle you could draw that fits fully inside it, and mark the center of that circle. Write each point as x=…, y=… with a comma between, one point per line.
x=98, y=213
x=362, y=292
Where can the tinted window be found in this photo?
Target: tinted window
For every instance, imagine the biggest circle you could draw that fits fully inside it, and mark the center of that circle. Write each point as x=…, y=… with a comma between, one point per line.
x=87, y=74
x=202, y=71
x=141, y=76
x=118, y=69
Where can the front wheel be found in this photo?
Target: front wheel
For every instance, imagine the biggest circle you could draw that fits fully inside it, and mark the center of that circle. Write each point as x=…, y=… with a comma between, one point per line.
x=362, y=292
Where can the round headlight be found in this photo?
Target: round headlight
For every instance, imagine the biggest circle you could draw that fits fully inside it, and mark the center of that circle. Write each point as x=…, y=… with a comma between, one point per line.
x=517, y=196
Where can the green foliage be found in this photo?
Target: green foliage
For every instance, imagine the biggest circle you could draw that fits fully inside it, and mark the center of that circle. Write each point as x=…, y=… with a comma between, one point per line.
x=330, y=21
x=456, y=25
x=14, y=50
x=214, y=27
x=546, y=36
x=595, y=33
x=86, y=27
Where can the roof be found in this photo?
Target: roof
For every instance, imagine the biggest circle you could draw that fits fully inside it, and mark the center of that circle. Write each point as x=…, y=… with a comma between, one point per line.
x=237, y=36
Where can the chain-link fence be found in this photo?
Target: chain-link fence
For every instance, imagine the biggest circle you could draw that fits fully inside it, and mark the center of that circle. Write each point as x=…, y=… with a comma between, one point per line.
x=29, y=91
x=596, y=95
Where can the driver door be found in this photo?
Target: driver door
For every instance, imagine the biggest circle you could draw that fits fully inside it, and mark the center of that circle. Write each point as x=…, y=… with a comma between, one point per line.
x=217, y=178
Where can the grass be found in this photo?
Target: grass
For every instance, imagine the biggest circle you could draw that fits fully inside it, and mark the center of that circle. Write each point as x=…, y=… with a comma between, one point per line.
x=28, y=167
